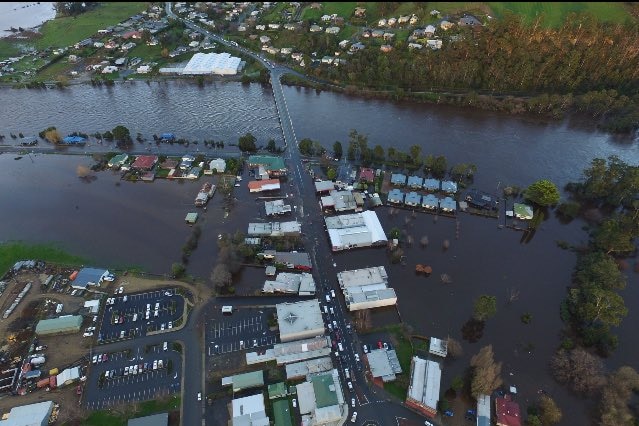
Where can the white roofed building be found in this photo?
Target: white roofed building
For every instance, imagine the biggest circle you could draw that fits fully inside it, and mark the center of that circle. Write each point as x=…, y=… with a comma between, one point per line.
x=249, y=411
x=355, y=230
x=423, y=392
x=37, y=414
x=212, y=63
x=299, y=320
x=366, y=288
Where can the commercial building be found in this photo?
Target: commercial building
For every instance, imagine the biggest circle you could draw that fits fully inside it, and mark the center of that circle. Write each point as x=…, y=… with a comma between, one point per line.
x=160, y=419
x=282, y=413
x=37, y=414
x=300, y=350
x=423, y=392
x=274, y=229
x=299, y=320
x=89, y=276
x=249, y=411
x=339, y=201
x=298, y=370
x=264, y=185
x=324, y=186
x=212, y=63
x=483, y=410
x=355, y=230
x=384, y=364
x=507, y=411
x=366, y=288
x=295, y=260
x=274, y=166
x=60, y=325
x=276, y=207
x=321, y=400
x=253, y=379
x=302, y=284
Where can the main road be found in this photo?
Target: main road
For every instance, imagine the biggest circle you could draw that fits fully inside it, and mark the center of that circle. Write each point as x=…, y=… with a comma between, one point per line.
x=373, y=407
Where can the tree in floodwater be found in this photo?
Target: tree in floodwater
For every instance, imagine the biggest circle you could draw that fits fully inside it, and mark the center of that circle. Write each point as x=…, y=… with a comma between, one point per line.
x=486, y=373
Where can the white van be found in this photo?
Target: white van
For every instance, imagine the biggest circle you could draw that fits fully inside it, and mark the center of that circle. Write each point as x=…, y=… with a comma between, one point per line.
x=227, y=310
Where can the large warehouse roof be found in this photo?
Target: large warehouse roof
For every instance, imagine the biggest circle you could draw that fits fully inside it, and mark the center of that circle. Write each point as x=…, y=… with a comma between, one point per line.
x=29, y=415
x=425, y=382
x=355, y=230
x=212, y=63
x=299, y=320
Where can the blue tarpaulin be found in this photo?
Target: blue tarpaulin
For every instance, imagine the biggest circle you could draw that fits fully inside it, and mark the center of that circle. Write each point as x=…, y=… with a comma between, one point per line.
x=167, y=136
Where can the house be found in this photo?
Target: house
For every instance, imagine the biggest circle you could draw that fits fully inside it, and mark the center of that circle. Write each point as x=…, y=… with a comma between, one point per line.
x=290, y=27
x=523, y=211
x=403, y=19
x=242, y=27
x=431, y=185
x=187, y=161
x=481, y=200
x=118, y=160
x=191, y=218
x=332, y=30
x=377, y=33
x=415, y=182
x=469, y=21
x=128, y=46
x=507, y=411
x=136, y=35
x=260, y=27
x=274, y=26
x=297, y=56
x=391, y=21
x=98, y=44
x=429, y=30
x=434, y=44
x=286, y=50
x=389, y=36
x=143, y=69
x=327, y=60
x=344, y=44
x=326, y=18
x=413, y=20
x=194, y=173
x=381, y=23
x=194, y=44
x=449, y=187
x=265, y=39
x=448, y=205
x=315, y=29
x=395, y=196
x=398, y=179
x=366, y=175
x=413, y=199
x=446, y=25
x=272, y=50
x=109, y=69
x=357, y=47
x=366, y=33
x=430, y=202
x=360, y=12
x=73, y=58
x=217, y=165
x=144, y=162
x=412, y=46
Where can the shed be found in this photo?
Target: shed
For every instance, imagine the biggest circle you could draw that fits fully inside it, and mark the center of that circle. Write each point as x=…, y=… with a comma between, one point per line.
x=523, y=211
x=60, y=325
x=277, y=390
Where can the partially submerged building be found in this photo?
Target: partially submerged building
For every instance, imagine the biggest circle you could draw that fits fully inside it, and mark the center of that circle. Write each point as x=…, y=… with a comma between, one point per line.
x=355, y=230
x=398, y=179
x=276, y=208
x=395, y=196
x=273, y=165
x=275, y=229
x=507, y=411
x=89, y=276
x=423, y=392
x=339, y=201
x=264, y=185
x=483, y=410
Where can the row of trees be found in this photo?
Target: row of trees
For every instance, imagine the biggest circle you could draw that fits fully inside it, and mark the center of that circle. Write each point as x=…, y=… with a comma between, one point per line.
x=231, y=252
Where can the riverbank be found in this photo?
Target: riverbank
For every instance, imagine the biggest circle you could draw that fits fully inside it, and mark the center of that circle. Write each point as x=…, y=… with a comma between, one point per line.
x=12, y=252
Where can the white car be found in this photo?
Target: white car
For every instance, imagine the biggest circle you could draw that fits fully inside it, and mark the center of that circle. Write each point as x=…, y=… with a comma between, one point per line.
x=365, y=349
x=94, y=360
x=294, y=403
x=165, y=346
x=332, y=311
x=350, y=385
x=353, y=402
x=347, y=373
x=199, y=396
x=356, y=357
x=354, y=418
x=155, y=364
x=341, y=348
x=90, y=328
x=333, y=294
x=162, y=328
x=427, y=423
x=170, y=326
x=121, y=290
x=89, y=334
x=109, y=277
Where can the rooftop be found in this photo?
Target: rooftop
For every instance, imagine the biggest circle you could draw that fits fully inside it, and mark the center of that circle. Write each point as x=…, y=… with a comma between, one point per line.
x=67, y=323
x=507, y=411
x=325, y=390
x=431, y=184
x=282, y=413
x=144, y=162
x=363, y=277
x=324, y=186
x=161, y=419
x=29, y=415
x=268, y=161
x=212, y=63
x=384, y=364
x=304, y=368
x=253, y=379
x=276, y=207
x=438, y=347
x=249, y=410
x=425, y=382
x=398, y=179
x=300, y=318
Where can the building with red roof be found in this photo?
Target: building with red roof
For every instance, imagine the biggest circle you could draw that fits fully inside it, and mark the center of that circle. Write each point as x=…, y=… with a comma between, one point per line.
x=367, y=175
x=132, y=34
x=144, y=162
x=264, y=185
x=507, y=411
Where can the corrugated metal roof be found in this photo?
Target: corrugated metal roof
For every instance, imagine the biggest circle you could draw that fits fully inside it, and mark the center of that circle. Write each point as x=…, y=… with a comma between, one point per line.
x=59, y=325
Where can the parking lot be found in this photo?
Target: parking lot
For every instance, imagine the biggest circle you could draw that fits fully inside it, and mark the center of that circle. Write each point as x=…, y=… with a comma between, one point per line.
x=136, y=375
x=133, y=315
x=246, y=328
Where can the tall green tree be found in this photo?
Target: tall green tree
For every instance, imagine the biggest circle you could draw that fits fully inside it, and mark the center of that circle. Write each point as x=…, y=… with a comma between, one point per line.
x=337, y=150
x=543, y=192
x=378, y=153
x=246, y=143
x=415, y=152
x=612, y=237
x=485, y=307
x=306, y=147
x=121, y=134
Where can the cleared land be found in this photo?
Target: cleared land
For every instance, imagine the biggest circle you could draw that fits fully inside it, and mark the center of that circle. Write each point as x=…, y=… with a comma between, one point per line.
x=65, y=31
x=555, y=13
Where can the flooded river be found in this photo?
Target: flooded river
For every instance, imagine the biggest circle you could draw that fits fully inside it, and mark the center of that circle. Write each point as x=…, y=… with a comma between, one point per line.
x=112, y=222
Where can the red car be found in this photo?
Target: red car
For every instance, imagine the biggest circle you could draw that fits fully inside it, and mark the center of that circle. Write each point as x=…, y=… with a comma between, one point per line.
x=380, y=345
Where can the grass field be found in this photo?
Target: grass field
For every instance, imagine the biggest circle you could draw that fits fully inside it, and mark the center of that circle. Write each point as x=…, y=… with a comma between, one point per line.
x=109, y=418
x=12, y=252
x=69, y=30
x=344, y=9
x=555, y=13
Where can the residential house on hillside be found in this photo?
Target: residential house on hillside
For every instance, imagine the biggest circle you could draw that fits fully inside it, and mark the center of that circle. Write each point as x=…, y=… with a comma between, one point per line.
x=332, y=30
x=386, y=48
x=469, y=21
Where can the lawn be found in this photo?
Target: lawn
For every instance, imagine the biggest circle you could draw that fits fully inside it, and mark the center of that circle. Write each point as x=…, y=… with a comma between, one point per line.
x=555, y=13
x=107, y=418
x=8, y=49
x=66, y=31
x=62, y=67
x=12, y=252
x=146, y=53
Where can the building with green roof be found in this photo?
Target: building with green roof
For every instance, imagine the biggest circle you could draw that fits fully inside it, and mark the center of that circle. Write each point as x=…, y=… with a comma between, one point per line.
x=273, y=165
x=60, y=325
x=324, y=388
x=253, y=379
x=277, y=390
x=282, y=413
x=118, y=160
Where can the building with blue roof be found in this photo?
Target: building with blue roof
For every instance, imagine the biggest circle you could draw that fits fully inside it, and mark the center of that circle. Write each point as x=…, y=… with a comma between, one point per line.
x=415, y=182
x=89, y=276
x=167, y=137
x=449, y=186
x=398, y=179
x=431, y=185
x=430, y=202
x=448, y=205
x=396, y=196
x=413, y=199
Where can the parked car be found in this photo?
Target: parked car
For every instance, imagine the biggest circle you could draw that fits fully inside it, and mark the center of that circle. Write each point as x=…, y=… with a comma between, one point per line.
x=354, y=418
x=350, y=385
x=120, y=290
x=294, y=403
x=105, y=357
x=380, y=345
x=165, y=346
x=88, y=334
x=356, y=357
x=333, y=294
x=155, y=364
x=199, y=396
x=170, y=325
x=353, y=402
x=365, y=349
